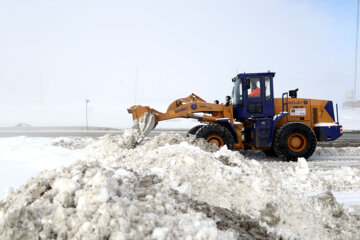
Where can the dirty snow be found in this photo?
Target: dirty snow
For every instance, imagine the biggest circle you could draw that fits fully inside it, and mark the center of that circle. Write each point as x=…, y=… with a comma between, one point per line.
x=155, y=190
x=275, y=197
x=96, y=203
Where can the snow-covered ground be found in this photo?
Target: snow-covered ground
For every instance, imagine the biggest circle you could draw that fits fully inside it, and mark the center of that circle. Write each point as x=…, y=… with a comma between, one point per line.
x=24, y=157
x=170, y=187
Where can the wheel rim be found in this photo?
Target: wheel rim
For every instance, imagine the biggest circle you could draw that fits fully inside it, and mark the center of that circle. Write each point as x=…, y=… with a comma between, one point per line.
x=216, y=140
x=297, y=142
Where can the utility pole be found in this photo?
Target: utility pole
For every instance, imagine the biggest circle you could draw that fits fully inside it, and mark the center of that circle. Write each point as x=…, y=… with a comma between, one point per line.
x=356, y=50
x=41, y=88
x=136, y=79
x=86, y=111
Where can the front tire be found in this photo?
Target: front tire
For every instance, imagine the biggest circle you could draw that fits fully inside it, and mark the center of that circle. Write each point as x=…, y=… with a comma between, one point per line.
x=193, y=130
x=217, y=135
x=294, y=140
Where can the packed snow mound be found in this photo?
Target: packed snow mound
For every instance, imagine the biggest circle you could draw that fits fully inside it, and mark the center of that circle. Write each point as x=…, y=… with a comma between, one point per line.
x=106, y=195
x=275, y=197
x=88, y=201
x=72, y=143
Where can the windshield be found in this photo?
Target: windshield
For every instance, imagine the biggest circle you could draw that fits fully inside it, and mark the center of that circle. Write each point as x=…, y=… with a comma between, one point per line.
x=237, y=93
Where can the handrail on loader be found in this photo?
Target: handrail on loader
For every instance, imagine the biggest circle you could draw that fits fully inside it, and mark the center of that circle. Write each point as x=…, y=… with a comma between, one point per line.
x=283, y=101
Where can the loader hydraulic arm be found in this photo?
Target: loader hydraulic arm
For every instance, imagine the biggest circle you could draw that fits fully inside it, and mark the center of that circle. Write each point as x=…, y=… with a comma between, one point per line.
x=147, y=118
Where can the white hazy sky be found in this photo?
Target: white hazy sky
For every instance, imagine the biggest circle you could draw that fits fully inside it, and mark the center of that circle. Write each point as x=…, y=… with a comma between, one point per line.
x=54, y=54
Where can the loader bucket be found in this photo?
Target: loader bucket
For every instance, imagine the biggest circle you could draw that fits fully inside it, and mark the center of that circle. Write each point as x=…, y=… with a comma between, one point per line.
x=144, y=119
x=145, y=124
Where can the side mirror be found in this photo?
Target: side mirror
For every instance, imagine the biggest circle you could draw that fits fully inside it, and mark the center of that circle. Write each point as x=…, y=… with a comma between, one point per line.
x=247, y=82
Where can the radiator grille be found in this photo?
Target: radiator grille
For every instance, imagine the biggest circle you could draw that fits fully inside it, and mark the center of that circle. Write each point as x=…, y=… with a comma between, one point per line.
x=315, y=115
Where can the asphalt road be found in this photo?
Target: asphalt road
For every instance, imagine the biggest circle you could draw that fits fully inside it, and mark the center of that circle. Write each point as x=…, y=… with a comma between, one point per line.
x=348, y=138
x=58, y=133
x=352, y=136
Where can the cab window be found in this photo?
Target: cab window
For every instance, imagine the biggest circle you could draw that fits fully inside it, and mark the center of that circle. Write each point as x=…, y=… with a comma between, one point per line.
x=238, y=93
x=254, y=91
x=267, y=88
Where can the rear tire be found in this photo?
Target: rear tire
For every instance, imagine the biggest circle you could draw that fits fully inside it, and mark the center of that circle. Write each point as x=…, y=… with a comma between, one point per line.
x=193, y=130
x=216, y=134
x=294, y=140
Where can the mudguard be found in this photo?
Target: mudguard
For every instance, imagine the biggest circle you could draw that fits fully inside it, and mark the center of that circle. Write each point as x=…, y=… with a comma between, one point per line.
x=226, y=123
x=276, y=119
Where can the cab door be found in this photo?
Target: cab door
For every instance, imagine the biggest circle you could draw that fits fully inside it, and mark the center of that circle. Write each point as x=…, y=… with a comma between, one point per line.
x=259, y=96
x=269, y=109
x=254, y=96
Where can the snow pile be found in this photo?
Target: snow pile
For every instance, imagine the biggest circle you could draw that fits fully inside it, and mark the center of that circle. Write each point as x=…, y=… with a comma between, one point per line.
x=72, y=143
x=274, y=197
x=155, y=190
x=88, y=201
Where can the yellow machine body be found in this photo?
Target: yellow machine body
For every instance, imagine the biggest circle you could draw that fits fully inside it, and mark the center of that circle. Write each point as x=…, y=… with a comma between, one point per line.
x=289, y=126
x=311, y=113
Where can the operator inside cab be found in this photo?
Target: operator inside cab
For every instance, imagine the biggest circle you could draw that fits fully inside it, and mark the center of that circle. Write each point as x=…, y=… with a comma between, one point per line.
x=255, y=90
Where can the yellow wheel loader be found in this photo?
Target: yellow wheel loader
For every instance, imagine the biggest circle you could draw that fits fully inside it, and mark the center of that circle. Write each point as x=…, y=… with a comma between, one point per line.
x=253, y=119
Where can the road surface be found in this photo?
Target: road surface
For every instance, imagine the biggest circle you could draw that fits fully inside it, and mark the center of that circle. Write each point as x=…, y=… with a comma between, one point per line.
x=349, y=139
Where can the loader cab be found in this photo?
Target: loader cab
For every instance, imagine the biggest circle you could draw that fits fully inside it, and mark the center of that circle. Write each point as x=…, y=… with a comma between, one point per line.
x=253, y=95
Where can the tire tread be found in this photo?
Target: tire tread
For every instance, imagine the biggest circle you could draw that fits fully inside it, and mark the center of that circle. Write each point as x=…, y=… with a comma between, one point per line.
x=193, y=130
x=219, y=130
x=287, y=154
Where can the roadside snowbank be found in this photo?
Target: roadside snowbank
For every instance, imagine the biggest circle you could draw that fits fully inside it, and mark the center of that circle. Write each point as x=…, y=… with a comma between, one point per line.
x=226, y=179
x=88, y=201
x=120, y=191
